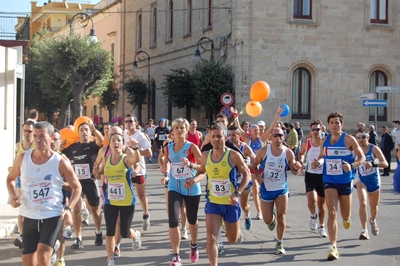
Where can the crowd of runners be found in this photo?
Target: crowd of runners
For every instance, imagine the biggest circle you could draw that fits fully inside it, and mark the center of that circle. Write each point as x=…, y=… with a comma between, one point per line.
x=56, y=186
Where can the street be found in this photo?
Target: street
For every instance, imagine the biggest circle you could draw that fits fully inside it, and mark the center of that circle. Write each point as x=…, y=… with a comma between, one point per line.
x=303, y=247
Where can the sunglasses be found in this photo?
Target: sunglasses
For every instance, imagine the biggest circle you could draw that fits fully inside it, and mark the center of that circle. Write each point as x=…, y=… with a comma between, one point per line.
x=277, y=135
x=315, y=129
x=361, y=136
x=28, y=131
x=129, y=121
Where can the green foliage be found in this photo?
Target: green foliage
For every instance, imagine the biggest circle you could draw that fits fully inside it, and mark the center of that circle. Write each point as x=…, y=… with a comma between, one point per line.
x=108, y=98
x=179, y=88
x=137, y=91
x=211, y=79
x=70, y=66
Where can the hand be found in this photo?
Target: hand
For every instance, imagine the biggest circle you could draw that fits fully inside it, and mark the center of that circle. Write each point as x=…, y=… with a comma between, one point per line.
x=134, y=174
x=279, y=111
x=66, y=216
x=189, y=183
x=234, y=199
x=133, y=143
x=164, y=180
x=346, y=166
x=297, y=165
x=315, y=164
x=185, y=161
x=92, y=127
x=15, y=203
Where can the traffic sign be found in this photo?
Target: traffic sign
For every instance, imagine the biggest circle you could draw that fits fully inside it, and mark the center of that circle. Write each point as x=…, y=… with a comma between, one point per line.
x=227, y=98
x=379, y=103
x=367, y=96
x=226, y=111
x=386, y=89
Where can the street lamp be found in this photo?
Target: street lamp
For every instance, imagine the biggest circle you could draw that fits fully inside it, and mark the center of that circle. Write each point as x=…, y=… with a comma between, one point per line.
x=92, y=36
x=197, y=55
x=136, y=69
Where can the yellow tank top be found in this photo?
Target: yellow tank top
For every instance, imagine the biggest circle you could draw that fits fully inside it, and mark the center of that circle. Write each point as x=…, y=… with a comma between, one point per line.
x=220, y=179
x=21, y=148
x=119, y=190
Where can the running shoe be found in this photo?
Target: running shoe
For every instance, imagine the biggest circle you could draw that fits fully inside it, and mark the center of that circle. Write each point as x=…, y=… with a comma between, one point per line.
x=184, y=233
x=240, y=238
x=272, y=225
x=117, y=253
x=137, y=241
x=347, y=224
x=279, y=248
x=176, y=260
x=60, y=263
x=77, y=244
x=364, y=236
x=85, y=214
x=247, y=223
x=194, y=254
x=223, y=227
x=333, y=253
x=220, y=247
x=67, y=232
x=99, y=239
x=258, y=216
x=53, y=259
x=18, y=242
x=111, y=263
x=322, y=232
x=313, y=222
x=146, y=223
x=374, y=228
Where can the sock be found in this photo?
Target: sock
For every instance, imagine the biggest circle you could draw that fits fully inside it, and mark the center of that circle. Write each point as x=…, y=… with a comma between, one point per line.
x=321, y=225
x=98, y=232
x=364, y=230
x=193, y=246
x=219, y=239
x=79, y=237
x=117, y=245
x=314, y=215
x=61, y=259
x=145, y=216
x=279, y=241
x=332, y=246
x=247, y=216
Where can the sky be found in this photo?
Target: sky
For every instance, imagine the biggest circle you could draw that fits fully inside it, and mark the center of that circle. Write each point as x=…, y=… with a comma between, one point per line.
x=24, y=6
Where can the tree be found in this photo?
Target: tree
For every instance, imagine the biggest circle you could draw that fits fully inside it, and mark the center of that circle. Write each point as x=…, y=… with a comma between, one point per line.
x=137, y=93
x=70, y=66
x=108, y=98
x=211, y=79
x=179, y=88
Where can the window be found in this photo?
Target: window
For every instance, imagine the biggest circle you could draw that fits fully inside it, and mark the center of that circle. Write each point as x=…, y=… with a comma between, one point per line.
x=301, y=88
x=139, y=32
x=94, y=109
x=189, y=13
x=170, y=22
x=379, y=11
x=209, y=13
x=302, y=9
x=112, y=52
x=153, y=34
x=378, y=78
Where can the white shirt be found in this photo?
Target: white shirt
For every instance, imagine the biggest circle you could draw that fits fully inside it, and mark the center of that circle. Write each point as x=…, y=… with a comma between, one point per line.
x=143, y=144
x=396, y=133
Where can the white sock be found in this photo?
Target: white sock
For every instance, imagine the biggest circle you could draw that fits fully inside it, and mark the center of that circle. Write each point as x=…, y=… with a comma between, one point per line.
x=117, y=245
x=219, y=238
x=98, y=232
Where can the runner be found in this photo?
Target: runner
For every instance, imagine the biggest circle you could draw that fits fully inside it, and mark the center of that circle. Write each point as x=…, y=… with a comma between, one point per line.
x=161, y=134
x=310, y=150
x=149, y=130
x=43, y=172
x=194, y=136
x=177, y=173
x=368, y=183
x=222, y=166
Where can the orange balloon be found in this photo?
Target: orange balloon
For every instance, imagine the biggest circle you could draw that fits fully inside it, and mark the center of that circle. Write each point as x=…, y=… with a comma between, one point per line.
x=259, y=91
x=69, y=135
x=80, y=120
x=253, y=108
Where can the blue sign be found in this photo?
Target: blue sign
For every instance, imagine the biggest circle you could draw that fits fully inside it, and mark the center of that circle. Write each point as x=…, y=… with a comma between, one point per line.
x=379, y=103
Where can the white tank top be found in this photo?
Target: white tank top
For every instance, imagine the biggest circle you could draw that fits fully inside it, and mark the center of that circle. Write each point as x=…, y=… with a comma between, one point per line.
x=41, y=188
x=311, y=154
x=275, y=177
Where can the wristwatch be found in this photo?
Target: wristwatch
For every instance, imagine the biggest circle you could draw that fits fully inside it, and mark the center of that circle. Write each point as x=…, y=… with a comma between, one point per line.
x=68, y=208
x=237, y=193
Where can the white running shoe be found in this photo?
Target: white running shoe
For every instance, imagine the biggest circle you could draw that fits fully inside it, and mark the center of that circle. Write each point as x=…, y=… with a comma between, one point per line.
x=137, y=241
x=313, y=222
x=85, y=214
x=146, y=223
x=184, y=233
x=258, y=216
x=67, y=232
x=322, y=232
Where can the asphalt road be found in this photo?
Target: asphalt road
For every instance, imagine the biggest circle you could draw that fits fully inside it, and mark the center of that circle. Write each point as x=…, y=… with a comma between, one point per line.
x=303, y=247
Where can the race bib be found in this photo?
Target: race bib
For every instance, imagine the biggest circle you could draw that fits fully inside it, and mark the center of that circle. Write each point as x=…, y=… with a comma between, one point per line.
x=364, y=171
x=161, y=137
x=334, y=167
x=41, y=193
x=82, y=171
x=180, y=170
x=273, y=176
x=116, y=191
x=220, y=188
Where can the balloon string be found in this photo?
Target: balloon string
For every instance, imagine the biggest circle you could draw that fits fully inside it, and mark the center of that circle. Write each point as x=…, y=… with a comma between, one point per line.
x=241, y=112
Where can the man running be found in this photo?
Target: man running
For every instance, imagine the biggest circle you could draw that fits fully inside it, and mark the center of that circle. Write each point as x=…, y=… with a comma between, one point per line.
x=43, y=173
x=337, y=154
x=310, y=150
x=82, y=156
x=194, y=136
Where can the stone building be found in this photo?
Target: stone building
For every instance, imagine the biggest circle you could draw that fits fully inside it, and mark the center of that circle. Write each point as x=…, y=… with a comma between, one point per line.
x=317, y=56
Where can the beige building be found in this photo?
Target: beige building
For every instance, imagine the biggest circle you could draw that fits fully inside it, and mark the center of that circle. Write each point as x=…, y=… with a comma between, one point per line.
x=317, y=56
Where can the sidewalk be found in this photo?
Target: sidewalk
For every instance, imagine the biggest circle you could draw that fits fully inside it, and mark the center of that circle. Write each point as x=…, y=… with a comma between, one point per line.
x=8, y=220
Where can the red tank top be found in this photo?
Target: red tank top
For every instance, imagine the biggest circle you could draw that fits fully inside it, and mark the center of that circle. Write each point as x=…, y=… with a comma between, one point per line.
x=194, y=138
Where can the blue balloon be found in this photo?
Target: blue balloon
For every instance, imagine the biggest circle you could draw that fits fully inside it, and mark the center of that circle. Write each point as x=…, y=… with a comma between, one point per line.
x=286, y=110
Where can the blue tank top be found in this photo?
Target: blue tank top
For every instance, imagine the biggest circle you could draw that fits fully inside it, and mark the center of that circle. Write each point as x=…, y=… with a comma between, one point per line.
x=335, y=155
x=368, y=174
x=255, y=146
x=179, y=172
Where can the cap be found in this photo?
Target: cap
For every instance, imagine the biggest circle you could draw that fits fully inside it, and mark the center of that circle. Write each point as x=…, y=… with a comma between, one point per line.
x=162, y=119
x=261, y=123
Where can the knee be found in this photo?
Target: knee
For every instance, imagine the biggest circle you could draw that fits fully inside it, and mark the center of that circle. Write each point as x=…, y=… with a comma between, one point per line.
x=126, y=233
x=363, y=204
x=173, y=222
x=280, y=218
